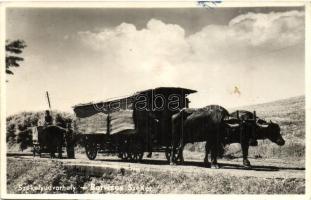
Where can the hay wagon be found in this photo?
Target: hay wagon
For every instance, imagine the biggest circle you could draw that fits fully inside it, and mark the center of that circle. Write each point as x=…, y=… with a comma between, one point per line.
x=131, y=125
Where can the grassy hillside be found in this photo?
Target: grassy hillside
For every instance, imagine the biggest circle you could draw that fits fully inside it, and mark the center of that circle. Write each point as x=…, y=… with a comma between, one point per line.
x=288, y=113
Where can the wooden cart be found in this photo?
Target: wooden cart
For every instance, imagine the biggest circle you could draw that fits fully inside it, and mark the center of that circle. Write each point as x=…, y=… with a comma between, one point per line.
x=131, y=125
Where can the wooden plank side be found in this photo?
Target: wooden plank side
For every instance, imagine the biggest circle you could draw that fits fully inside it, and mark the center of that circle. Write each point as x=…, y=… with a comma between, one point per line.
x=94, y=124
x=122, y=121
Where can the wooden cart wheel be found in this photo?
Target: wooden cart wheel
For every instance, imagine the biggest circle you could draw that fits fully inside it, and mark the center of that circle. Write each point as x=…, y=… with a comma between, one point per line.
x=168, y=152
x=123, y=152
x=125, y=155
x=91, y=150
x=136, y=151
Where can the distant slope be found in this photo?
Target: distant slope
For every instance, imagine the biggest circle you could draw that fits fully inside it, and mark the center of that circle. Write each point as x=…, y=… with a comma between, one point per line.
x=284, y=106
x=289, y=113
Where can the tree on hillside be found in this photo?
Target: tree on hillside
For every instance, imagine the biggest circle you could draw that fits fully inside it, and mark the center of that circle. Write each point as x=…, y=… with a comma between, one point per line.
x=13, y=49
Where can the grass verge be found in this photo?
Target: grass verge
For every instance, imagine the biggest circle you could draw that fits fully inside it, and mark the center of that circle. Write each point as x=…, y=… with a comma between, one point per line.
x=26, y=176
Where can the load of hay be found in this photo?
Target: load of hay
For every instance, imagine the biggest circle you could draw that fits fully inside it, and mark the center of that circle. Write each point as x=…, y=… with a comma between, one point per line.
x=96, y=123
x=119, y=121
x=122, y=121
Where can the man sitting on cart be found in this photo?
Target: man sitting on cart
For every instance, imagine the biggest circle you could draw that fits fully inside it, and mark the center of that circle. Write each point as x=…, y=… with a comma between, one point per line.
x=48, y=119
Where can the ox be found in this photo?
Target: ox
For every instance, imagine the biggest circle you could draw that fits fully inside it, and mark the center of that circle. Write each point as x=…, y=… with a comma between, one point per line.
x=197, y=125
x=252, y=127
x=52, y=137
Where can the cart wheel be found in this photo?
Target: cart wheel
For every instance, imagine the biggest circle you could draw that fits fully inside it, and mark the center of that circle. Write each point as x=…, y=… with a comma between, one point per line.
x=91, y=150
x=136, y=151
x=137, y=157
x=168, y=152
x=34, y=150
x=124, y=150
x=125, y=156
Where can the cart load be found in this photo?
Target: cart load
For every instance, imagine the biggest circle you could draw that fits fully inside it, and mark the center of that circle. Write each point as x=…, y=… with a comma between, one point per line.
x=130, y=125
x=105, y=122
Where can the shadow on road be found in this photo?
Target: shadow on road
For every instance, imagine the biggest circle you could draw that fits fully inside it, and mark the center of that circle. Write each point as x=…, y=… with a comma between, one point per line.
x=222, y=165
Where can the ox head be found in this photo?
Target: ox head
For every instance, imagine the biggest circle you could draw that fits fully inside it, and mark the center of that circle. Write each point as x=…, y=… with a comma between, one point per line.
x=271, y=131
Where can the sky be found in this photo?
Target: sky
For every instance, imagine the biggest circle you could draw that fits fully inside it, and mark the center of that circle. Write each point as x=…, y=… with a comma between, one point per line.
x=231, y=56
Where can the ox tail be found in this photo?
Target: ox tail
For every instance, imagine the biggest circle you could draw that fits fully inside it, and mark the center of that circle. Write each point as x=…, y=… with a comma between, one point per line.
x=221, y=150
x=221, y=141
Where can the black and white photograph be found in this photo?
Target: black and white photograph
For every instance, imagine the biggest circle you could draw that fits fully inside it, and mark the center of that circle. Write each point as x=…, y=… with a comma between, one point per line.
x=200, y=99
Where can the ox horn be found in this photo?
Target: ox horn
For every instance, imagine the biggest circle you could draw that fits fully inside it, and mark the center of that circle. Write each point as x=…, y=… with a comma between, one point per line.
x=265, y=125
x=232, y=123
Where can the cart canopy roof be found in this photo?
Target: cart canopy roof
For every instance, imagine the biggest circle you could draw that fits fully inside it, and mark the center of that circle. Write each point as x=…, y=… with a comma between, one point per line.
x=125, y=102
x=168, y=90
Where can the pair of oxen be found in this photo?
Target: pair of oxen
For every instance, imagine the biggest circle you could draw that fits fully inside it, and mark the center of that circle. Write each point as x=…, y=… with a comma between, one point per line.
x=218, y=128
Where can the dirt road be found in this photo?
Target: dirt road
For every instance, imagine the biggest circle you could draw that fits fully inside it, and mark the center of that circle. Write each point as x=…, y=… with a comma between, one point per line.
x=261, y=168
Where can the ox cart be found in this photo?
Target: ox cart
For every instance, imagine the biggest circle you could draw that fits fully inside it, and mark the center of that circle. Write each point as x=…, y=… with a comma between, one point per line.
x=52, y=139
x=131, y=125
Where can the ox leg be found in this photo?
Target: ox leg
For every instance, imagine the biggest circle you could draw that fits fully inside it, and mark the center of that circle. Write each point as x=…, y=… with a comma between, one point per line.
x=52, y=154
x=60, y=147
x=51, y=149
x=214, y=164
x=181, y=146
x=207, y=150
x=245, y=146
x=40, y=151
x=214, y=150
x=180, y=153
x=246, y=162
x=172, y=156
x=172, y=161
x=174, y=145
x=60, y=153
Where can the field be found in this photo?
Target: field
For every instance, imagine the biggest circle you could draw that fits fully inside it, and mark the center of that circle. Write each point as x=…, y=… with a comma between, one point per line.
x=277, y=170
